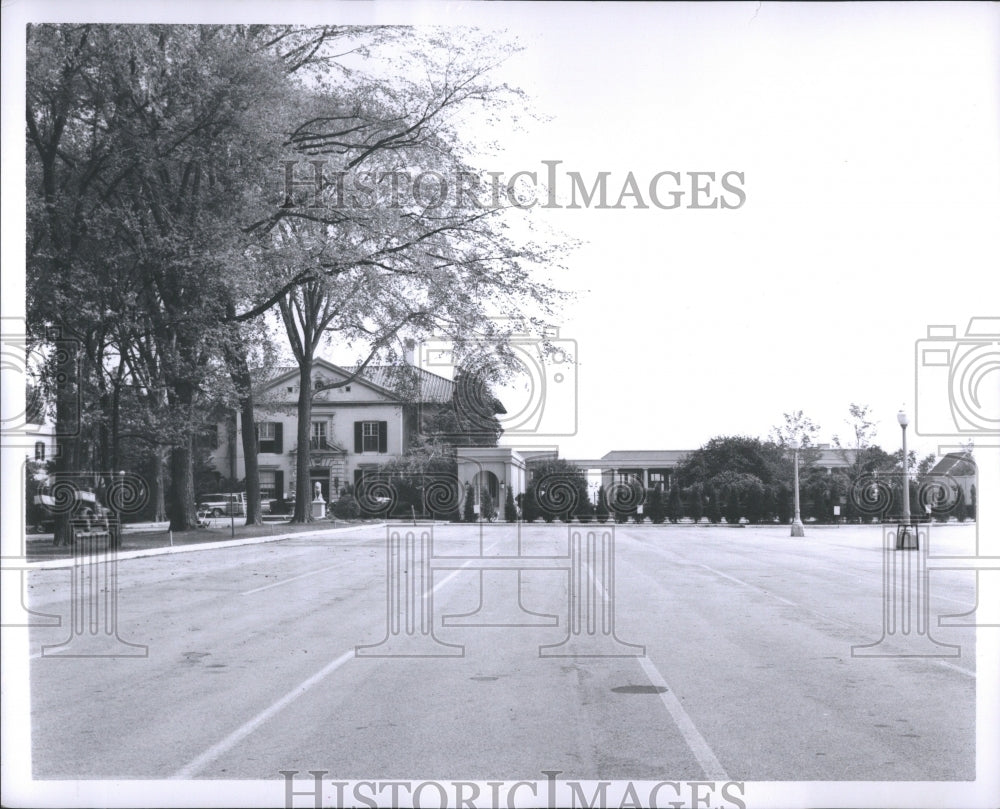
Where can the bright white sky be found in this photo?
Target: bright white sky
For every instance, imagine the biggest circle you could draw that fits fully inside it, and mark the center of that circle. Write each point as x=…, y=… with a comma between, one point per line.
x=868, y=137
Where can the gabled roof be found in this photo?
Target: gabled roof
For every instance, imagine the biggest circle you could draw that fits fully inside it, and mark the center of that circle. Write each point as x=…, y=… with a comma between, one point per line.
x=956, y=464
x=407, y=384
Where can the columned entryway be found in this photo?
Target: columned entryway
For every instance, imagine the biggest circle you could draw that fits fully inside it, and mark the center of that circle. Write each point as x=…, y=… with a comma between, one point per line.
x=493, y=469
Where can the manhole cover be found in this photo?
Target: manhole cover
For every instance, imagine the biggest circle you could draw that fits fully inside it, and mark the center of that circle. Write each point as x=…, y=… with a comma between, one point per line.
x=639, y=689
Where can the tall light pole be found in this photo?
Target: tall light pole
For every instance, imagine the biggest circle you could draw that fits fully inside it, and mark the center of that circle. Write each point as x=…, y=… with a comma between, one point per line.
x=904, y=420
x=797, y=529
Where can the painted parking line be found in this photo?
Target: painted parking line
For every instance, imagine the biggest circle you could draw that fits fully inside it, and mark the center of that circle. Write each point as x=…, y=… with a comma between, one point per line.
x=289, y=581
x=695, y=741
x=229, y=742
x=692, y=737
x=936, y=661
x=747, y=584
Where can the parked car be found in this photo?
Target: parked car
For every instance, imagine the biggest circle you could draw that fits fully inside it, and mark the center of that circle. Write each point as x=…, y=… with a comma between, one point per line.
x=225, y=504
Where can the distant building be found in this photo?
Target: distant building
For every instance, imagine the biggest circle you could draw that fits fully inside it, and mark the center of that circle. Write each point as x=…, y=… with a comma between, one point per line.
x=354, y=428
x=652, y=467
x=958, y=469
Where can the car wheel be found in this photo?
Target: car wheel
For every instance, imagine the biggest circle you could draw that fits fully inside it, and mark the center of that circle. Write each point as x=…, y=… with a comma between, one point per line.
x=216, y=512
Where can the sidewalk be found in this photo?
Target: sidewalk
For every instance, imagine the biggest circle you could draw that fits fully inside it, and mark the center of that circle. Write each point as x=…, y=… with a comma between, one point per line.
x=152, y=542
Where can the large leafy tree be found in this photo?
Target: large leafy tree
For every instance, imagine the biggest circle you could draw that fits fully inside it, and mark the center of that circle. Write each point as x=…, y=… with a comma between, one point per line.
x=381, y=258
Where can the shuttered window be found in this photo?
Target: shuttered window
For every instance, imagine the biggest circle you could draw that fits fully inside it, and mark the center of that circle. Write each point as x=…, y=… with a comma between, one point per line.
x=371, y=436
x=269, y=436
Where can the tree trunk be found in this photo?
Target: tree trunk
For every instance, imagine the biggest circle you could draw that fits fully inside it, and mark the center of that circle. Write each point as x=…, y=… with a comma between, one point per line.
x=182, y=511
x=303, y=497
x=181, y=506
x=67, y=460
x=239, y=372
x=159, y=486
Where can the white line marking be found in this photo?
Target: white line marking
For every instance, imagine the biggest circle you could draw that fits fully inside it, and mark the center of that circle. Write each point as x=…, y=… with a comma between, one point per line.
x=287, y=581
x=247, y=728
x=952, y=666
x=695, y=741
x=746, y=584
x=238, y=735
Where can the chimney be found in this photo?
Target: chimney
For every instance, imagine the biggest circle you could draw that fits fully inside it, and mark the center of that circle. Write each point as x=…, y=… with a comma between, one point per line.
x=409, y=344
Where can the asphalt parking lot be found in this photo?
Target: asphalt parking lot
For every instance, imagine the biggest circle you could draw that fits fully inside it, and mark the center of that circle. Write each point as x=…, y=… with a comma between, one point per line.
x=703, y=653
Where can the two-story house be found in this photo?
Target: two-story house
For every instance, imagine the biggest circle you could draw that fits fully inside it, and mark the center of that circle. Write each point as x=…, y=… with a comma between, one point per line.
x=354, y=427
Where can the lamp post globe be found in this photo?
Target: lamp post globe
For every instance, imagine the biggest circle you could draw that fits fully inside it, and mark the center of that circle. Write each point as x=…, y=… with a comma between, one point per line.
x=797, y=528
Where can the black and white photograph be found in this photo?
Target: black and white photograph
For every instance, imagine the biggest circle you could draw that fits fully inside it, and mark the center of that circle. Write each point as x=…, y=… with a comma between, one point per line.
x=500, y=404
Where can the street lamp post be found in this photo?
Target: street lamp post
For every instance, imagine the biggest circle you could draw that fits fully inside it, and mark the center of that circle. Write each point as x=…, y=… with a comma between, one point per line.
x=904, y=420
x=797, y=529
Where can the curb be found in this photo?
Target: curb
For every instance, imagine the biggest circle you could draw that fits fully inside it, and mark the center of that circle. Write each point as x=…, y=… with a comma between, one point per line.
x=50, y=564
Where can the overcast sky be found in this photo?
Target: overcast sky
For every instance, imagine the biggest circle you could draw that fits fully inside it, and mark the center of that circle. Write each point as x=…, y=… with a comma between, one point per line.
x=868, y=139
x=866, y=136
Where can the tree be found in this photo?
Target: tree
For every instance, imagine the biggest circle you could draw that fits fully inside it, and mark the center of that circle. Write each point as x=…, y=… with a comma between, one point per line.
x=733, y=510
x=602, y=512
x=796, y=426
x=863, y=428
x=713, y=510
x=656, y=507
x=529, y=505
x=782, y=495
x=559, y=488
x=695, y=502
x=509, y=509
x=675, y=508
x=469, y=509
x=378, y=267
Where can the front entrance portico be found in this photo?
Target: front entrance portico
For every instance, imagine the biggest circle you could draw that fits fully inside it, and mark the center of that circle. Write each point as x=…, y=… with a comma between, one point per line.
x=496, y=469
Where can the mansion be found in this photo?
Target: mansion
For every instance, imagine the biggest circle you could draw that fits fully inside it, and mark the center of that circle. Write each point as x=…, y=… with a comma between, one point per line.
x=355, y=427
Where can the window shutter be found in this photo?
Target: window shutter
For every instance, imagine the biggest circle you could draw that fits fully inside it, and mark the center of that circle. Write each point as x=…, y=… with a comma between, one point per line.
x=358, y=440
x=279, y=484
x=383, y=436
x=278, y=429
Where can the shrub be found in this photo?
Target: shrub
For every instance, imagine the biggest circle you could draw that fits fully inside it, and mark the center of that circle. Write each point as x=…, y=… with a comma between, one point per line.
x=509, y=509
x=695, y=505
x=712, y=508
x=468, y=510
x=733, y=510
x=674, y=507
x=602, y=512
x=346, y=508
x=656, y=508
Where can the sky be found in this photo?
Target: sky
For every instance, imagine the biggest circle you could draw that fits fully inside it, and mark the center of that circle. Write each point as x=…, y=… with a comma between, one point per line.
x=866, y=138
